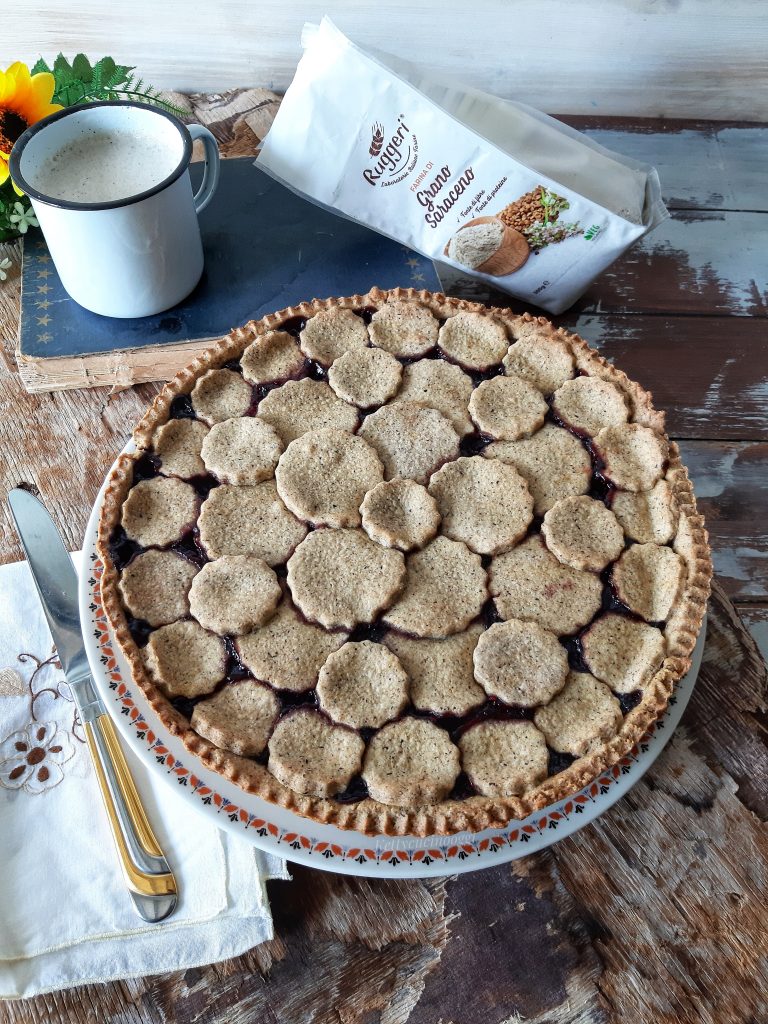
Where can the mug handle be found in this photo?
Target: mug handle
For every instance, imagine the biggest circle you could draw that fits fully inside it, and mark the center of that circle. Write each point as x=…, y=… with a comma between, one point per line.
x=204, y=194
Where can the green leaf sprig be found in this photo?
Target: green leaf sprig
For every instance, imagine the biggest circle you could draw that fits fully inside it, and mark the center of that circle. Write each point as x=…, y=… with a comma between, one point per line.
x=79, y=82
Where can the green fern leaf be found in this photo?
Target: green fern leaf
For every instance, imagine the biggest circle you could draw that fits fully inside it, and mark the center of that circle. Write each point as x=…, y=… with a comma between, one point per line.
x=39, y=66
x=62, y=70
x=81, y=69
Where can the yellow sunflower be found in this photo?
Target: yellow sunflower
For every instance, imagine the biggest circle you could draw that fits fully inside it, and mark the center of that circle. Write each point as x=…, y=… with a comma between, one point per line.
x=24, y=99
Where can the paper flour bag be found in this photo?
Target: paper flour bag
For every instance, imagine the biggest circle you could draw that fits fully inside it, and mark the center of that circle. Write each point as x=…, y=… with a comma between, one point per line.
x=491, y=187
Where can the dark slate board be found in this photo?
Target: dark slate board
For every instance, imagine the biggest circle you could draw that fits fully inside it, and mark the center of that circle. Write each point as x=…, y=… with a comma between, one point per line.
x=265, y=248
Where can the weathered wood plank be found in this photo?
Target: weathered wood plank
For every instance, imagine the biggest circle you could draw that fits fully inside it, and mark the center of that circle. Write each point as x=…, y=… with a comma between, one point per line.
x=709, y=374
x=702, y=166
x=755, y=618
x=629, y=57
x=698, y=263
x=731, y=483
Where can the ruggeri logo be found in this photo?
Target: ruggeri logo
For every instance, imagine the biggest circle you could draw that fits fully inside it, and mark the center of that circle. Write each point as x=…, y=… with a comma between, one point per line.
x=392, y=156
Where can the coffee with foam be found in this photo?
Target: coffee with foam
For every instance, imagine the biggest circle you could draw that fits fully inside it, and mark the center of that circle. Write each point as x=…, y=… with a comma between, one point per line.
x=105, y=166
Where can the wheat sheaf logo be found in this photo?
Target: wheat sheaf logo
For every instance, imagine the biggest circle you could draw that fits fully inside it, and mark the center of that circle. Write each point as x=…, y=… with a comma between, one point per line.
x=377, y=139
x=393, y=157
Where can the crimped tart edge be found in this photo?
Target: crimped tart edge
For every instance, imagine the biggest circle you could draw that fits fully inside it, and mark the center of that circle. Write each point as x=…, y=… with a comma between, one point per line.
x=475, y=813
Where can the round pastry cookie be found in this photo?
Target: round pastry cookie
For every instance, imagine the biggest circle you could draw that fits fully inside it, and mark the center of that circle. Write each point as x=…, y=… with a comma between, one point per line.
x=302, y=405
x=590, y=403
x=239, y=717
x=244, y=450
x=274, y=356
x=648, y=579
x=649, y=517
x=185, y=660
x=541, y=359
x=474, y=340
x=221, y=395
x=434, y=615
x=504, y=758
x=507, y=408
x=445, y=588
x=442, y=386
x=332, y=332
x=634, y=455
x=441, y=672
x=554, y=463
x=400, y=514
x=309, y=754
x=234, y=594
x=362, y=685
x=366, y=377
x=484, y=503
x=529, y=583
x=249, y=521
x=324, y=475
x=155, y=586
x=583, y=533
x=288, y=652
x=585, y=713
x=412, y=440
x=520, y=663
x=158, y=511
x=410, y=762
x=622, y=652
x=340, y=578
x=177, y=444
x=404, y=329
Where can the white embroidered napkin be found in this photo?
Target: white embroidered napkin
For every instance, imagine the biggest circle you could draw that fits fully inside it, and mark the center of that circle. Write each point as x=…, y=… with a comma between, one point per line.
x=65, y=916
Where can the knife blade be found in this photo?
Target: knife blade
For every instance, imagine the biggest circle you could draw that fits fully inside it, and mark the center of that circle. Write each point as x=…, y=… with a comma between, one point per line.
x=150, y=881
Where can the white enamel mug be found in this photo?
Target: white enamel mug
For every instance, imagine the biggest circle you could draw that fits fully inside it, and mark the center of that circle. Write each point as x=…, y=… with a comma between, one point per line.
x=133, y=256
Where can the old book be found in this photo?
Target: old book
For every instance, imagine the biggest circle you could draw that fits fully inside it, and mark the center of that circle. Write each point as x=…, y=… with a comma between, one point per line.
x=265, y=248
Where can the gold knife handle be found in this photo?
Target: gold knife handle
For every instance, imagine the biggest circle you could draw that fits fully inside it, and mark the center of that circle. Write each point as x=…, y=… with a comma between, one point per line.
x=148, y=876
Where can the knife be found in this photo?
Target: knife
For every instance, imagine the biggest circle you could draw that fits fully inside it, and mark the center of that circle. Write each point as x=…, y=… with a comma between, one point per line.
x=150, y=881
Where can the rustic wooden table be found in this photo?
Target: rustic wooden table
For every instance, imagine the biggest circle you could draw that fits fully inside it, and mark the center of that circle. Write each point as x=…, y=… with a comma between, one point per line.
x=653, y=913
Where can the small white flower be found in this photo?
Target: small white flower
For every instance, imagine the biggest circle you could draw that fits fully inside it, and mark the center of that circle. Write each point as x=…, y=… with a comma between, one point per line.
x=5, y=266
x=23, y=219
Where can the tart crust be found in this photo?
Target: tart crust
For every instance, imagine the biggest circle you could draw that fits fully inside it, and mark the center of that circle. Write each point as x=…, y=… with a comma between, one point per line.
x=447, y=816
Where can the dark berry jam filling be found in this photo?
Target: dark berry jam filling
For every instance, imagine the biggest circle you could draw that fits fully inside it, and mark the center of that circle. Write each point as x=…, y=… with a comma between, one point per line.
x=373, y=631
x=366, y=314
x=354, y=793
x=575, y=651
x=292, y=699
x=140, y=630
x=474, y=443
x=600, y=487
x=190, y=547
x=294, y=326
x=184, y=705
x=628, y=701
x=478, y=376
x=181, y=409
x=316, y=371
x=235, y=670
x=203, y=484
x=122, y=549
x=233, y=365
x=462, y=788
x=559, y=762
x=146, y=467
x=490, y=613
